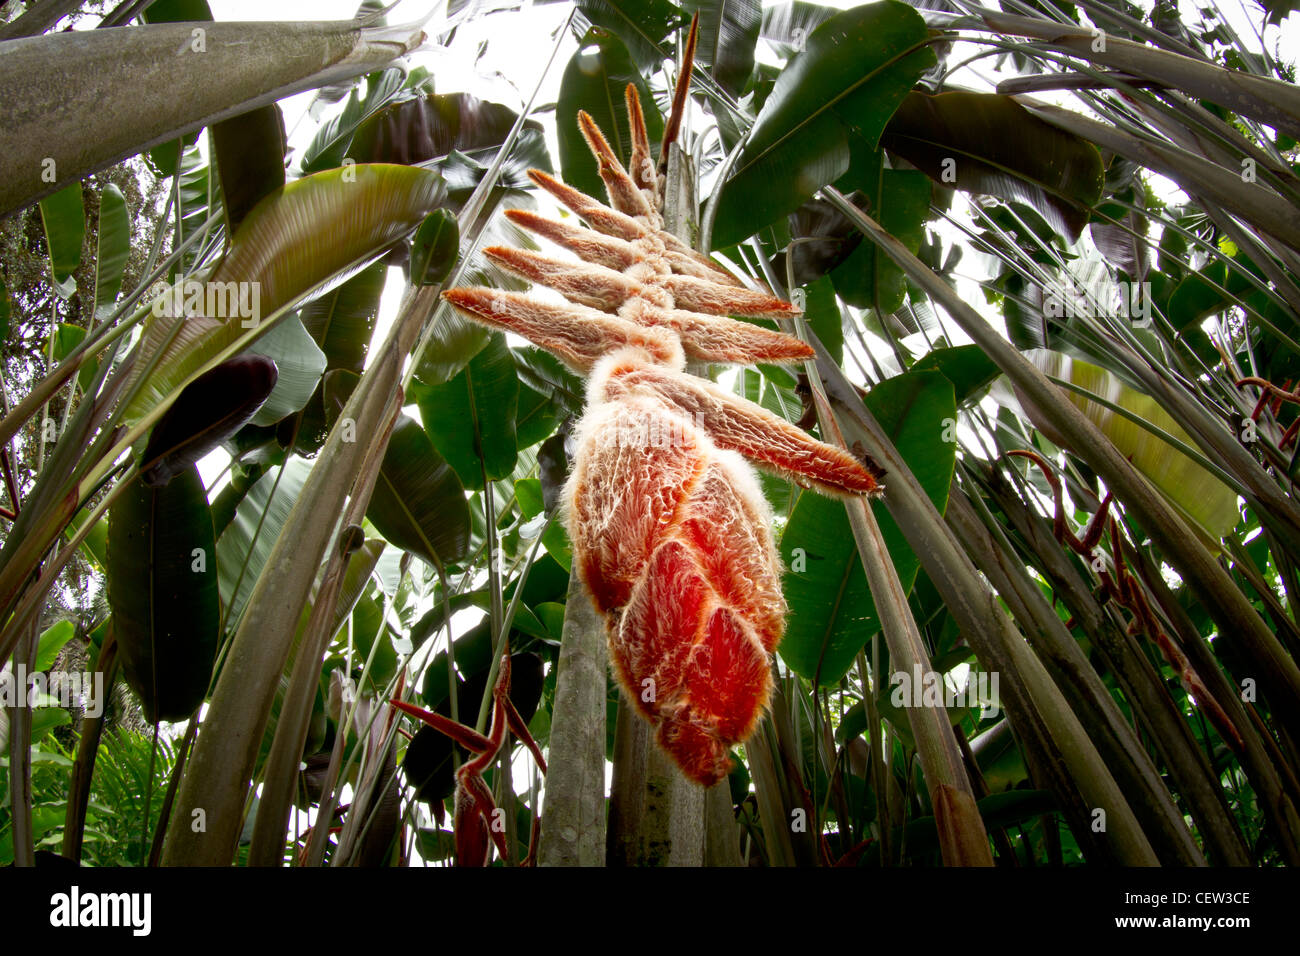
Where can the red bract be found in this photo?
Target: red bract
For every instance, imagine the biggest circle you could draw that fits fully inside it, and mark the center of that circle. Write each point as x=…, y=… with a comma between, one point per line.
x=670, y=531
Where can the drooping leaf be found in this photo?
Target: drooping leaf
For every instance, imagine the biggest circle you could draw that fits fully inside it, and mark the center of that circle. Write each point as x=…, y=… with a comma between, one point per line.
x=63, y=217
x=342, y=320
x=992, y=145
x=822, y=312
x=245, y=545
x=429, y=128
x=856, y=69
x=595, y=81
x=66, y=338
x=198, y=199
x=250, y=160
x=435, y=248
x=114, y=248
x=333, y=140
x=162, y=588
x=369, y=632
x=832, y=613
x=471, y=419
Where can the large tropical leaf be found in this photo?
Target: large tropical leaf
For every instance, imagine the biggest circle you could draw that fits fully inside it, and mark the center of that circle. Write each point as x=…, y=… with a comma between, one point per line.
x=162, y=587
x=250, y=160
x=418, y=503
x=300, y=363
x=832, y=613
x=295, y=240
x=900, y=201
x=63, y=216
x=986, y=143
x=471, y=419
x=642, y=25
x=333, y=140
x=843, y=88
x=341, y=322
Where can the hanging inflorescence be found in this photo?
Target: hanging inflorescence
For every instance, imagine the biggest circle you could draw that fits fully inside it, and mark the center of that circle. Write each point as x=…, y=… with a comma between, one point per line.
x=670, y=532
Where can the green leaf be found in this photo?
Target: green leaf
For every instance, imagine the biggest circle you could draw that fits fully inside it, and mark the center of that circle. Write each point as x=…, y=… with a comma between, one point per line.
x=832, y=614
x=966, y=366
x=528, y=492
x=196, y=200
x=788, y=25
x=300, y=363
x=900, y=201
x=641, y=24
x=51, y=642
x=250, y=160
x=66, y=338
x=822, y=312
x=5, y=310
x=44, y=820
x=419, y=504
x=176, y=11
x=435, y=248
x=342, y=320
x=63, y=216
x=536, y=418
x=162, y=588
x=335, y=137
x=281, y=254
x=595, y=80
x=245, y=545
x=114, y=248
x=843, y=88
x=993, y=145
x=471, y=419
x=367, y=628
x=728, y=35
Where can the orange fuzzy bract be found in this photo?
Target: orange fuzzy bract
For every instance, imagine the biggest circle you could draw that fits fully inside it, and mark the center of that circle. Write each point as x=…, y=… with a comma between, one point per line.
x=674, y=543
